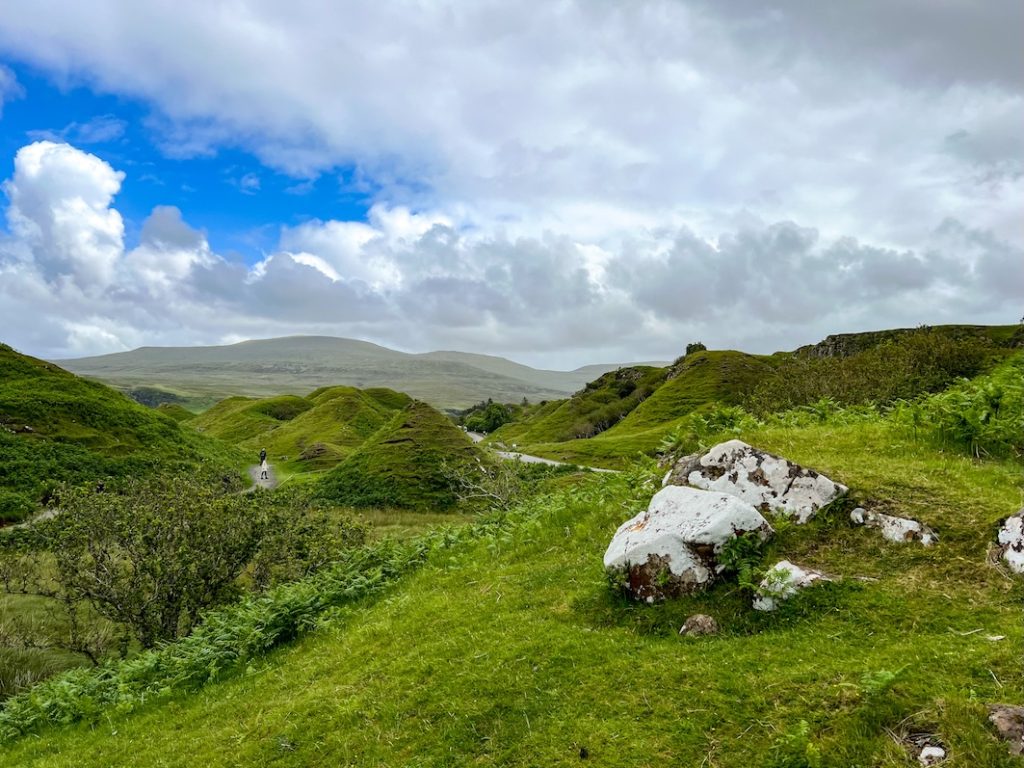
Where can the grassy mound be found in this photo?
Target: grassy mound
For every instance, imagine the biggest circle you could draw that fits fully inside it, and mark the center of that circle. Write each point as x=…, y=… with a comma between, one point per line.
x=304, y=433
x=696, y=381
x=55, y=427
x=592, y=410
x=404, y=464
x=532, y=660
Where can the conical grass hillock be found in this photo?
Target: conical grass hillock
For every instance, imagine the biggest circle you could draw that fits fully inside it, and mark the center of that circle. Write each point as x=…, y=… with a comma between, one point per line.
x=406, y=464
x=305, y=433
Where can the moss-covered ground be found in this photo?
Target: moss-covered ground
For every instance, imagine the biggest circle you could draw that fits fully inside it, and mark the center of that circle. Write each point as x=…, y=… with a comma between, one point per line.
x=513, y=651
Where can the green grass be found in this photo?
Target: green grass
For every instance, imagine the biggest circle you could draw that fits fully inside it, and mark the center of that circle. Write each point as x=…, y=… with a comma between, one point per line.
x=57, y=427
x=303, y=434
x=512, y=651
x=404, y=464
x=697, y=381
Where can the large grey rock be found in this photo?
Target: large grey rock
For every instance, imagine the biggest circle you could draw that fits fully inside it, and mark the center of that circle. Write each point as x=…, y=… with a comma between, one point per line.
x=764, y=480
x=672, y=547
x=895, y=529
x=1011, y=541
x=783, y=580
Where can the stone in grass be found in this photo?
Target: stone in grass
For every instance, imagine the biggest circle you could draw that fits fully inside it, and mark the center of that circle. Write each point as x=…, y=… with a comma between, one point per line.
x=926, y=747
x=767, y=481
x=931, y=755
x=896, y=529
x=1009, y=724
x=1011, y=541
x=698, y=625
x=672, y=548
x=783, y=580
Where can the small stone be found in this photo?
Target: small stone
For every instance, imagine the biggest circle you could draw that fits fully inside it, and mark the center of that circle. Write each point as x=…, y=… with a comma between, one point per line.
x=1009, y=723
x=931, y=756
x=898, y=530
x=782, y=581
x=699, y=625
x=1011, y=541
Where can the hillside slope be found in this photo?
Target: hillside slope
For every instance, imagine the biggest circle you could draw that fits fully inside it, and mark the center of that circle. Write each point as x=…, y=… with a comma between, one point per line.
x=404, y=464
x=56, y=427
x=513, y=652
x=696, y=381
x=296, y=365
x=303, y=433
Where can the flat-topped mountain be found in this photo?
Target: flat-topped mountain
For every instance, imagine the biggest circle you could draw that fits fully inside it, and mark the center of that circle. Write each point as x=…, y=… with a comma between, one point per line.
x=299, y=364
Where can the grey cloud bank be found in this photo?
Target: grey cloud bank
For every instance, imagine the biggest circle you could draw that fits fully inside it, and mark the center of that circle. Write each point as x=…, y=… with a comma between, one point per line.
x=561, y=183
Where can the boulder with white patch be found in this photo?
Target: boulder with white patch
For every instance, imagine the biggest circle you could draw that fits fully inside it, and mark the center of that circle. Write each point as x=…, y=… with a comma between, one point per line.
x=1011, y=541
x=782, y=581
x=672, y=547
x=895, y=529
x=764, y=480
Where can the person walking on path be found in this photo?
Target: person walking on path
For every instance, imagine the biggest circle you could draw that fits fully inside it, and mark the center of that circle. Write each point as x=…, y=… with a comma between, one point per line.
x=264, y=475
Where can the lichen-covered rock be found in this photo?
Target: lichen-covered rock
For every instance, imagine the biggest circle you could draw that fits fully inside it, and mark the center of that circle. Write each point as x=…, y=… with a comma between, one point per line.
x=699, y=625
x=764, y=480
x=672, y=547
x=1009, y=724
x=782, y=581
x=1011, y=541
x=895, y=529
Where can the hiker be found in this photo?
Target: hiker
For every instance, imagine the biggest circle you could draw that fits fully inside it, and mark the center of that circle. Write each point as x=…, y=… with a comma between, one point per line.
x=264, y=474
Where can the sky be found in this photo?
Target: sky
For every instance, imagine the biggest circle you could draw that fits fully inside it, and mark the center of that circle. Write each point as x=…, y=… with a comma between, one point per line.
x=561, y=183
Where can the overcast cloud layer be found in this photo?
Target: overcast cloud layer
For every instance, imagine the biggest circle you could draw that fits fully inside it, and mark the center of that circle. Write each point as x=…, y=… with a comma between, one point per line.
x=558, y=182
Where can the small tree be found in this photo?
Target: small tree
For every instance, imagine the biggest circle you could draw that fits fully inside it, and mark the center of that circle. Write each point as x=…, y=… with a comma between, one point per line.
x=154, y=556
x=695, y=346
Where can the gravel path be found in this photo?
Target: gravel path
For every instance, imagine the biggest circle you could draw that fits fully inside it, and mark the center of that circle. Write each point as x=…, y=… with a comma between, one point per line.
x=254, y=473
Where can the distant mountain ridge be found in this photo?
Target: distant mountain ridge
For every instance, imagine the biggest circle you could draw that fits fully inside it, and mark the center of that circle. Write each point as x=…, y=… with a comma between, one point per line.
x=299, y=364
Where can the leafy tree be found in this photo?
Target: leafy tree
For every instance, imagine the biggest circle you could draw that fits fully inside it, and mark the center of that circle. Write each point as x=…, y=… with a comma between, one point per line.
x=154, y=556
x=695, y=346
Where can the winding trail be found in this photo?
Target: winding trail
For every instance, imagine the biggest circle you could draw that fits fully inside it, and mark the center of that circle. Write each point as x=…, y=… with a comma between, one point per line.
x=476, y=437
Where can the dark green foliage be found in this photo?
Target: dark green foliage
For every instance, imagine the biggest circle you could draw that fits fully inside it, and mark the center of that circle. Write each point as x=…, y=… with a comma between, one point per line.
x=406, y=464
x=154, y=397
x=983, y=416
x=905, y=366
x=487, y=417
x=14, y=506
x=155, y=555
x=695, y=346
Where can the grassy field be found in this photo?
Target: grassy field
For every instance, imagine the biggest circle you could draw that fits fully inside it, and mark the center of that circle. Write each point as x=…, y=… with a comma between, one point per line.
x=513, y=651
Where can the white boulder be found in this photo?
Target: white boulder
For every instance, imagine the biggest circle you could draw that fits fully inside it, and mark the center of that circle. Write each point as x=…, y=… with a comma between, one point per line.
x=672, y=547
x=782, y=581
x=1011, y=541
x=766, y=481
x=895, y=529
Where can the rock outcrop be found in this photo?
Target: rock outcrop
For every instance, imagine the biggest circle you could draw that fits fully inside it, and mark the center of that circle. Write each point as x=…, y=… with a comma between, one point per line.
x=1011, y=541
x=782, y=581
x=672, y=547
x=895, y=529
x=768, y=482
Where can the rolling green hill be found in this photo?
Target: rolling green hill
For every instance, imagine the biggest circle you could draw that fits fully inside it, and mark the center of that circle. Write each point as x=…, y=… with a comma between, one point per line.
x=697, y=380
x=404, y=463
x=303, y=433
x=296, y=365
x=57, y=427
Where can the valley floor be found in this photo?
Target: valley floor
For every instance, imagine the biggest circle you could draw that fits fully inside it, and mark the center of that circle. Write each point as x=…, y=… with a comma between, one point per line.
x=513, y=652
